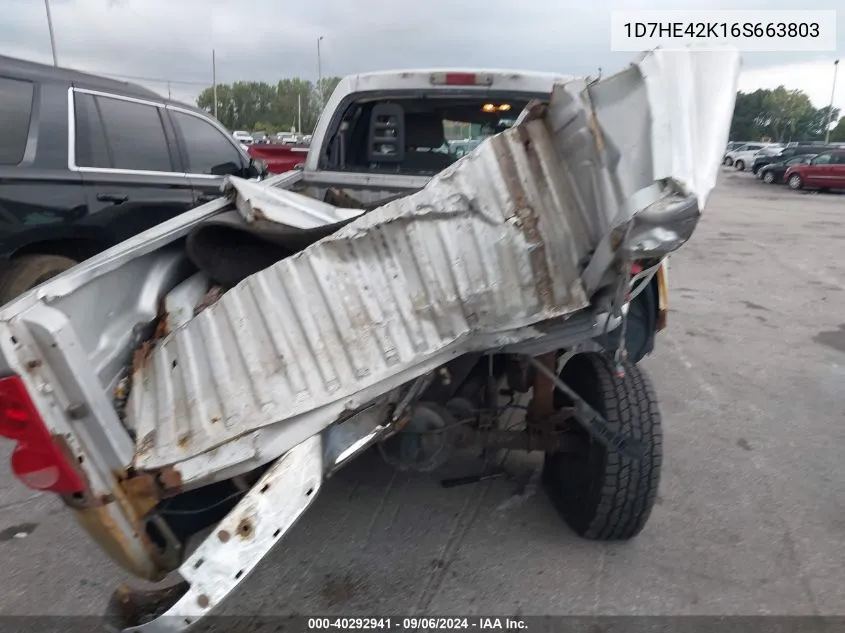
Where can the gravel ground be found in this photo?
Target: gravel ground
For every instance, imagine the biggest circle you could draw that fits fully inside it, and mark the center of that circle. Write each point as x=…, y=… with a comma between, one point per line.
x=751, y=513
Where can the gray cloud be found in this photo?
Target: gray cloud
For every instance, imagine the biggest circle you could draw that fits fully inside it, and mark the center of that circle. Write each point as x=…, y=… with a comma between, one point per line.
x=267, y=40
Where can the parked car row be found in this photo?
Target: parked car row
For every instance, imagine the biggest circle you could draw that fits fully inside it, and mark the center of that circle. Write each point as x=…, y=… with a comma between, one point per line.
x=823, y=170
x=744, y=155
x=262, y=138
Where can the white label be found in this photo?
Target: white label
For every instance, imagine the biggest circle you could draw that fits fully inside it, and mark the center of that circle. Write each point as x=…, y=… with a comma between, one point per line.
x=772, y=31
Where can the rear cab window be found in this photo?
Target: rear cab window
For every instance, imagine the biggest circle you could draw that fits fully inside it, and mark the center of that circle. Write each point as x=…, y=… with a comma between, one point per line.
x=15, y=114
x=116, y=133
x=434, y=131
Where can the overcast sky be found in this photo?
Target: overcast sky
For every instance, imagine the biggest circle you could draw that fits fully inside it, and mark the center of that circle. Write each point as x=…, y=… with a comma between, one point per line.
x=268, y=39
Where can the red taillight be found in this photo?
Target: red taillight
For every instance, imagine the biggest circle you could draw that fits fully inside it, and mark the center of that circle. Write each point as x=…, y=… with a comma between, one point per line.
x=37, y=460
x=462, y=79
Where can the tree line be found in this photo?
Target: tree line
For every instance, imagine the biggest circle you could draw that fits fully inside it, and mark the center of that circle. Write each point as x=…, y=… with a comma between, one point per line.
x=781, y=115
x=259, y=106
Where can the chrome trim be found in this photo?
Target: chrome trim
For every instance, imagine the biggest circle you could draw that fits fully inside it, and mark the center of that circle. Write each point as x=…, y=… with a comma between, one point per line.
x=71, y=123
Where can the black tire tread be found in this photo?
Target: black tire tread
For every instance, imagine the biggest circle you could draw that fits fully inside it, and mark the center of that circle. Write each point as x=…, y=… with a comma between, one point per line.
x=627, y=488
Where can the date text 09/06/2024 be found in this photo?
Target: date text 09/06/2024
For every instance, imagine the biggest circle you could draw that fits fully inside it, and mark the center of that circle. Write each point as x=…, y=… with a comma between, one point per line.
x=721, y=30
x=414, y=623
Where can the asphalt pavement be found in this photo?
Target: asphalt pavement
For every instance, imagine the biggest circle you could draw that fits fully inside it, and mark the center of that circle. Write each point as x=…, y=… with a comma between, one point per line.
x=751, y=513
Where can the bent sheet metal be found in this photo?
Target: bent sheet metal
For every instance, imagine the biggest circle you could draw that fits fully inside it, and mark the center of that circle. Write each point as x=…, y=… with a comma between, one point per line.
x=521, y=231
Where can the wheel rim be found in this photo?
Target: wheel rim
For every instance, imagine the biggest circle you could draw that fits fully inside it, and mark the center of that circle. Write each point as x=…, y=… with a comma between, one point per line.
x=768, y=177
x=740, y=166
x=795, y=182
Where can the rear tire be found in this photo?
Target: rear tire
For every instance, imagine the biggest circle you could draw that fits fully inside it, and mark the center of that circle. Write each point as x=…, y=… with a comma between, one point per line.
x=728, y=161
x=602, y=494
x=27, y=271
x=740, y=165
x=768, y=178
x=795, y=182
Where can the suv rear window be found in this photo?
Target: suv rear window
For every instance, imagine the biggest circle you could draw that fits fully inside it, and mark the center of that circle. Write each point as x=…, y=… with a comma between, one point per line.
x=16, y=108
x=120, y=134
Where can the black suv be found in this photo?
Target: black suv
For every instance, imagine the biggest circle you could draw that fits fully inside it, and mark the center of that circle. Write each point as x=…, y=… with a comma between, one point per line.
x=87, y=162
x=786, y=154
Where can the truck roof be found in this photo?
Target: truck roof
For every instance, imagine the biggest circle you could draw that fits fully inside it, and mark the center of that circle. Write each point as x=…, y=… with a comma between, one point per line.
x=402, y=79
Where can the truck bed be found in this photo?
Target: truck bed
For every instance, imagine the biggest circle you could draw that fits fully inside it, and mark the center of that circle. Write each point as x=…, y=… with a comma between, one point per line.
x=511, y=247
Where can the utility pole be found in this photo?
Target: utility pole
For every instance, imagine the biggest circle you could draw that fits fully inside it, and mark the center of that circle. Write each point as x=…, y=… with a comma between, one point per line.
x=214, y=79
x=52, y=37
x=169, y=96
x=830, y=111
x=320, y=73
x=299, y=112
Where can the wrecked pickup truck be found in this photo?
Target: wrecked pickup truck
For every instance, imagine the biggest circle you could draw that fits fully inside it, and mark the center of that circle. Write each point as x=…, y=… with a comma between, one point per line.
x=188, y=391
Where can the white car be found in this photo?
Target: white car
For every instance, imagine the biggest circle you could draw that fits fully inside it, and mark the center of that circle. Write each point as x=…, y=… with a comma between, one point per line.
x=742, y=157
x=244, y=138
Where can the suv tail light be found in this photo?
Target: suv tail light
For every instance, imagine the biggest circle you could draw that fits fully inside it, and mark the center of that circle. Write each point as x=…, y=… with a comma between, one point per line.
x=462, y=79
x=37, y=459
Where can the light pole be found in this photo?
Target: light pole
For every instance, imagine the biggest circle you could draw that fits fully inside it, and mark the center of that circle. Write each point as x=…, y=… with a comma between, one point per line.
x=830, y=111
x=50, y=26
x=320, y=72
x=214, y=79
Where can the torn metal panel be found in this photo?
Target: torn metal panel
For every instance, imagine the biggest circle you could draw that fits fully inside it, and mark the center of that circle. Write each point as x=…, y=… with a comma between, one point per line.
x=491, y=247
x=255, y=201
x=485, y=247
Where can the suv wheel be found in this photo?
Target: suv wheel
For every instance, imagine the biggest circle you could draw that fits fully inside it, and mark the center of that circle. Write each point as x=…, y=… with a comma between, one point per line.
x=27, y=271
x=740, y=165
x=768, y=177
x=728, y=161
x=795, y=182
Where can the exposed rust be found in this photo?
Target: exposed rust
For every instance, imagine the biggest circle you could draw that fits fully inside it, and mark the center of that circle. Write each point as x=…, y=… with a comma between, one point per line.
x=170, y=479
x=133, y=607
x=245, y=528
x=140, y=356
x=33, y=364
x=529, y=223
x=142, y=492
x=662, y=299
x=162, y=327
x=595, y=130
x=542, y=405
x=224, y=536
x=117, y=545
x=211, y=297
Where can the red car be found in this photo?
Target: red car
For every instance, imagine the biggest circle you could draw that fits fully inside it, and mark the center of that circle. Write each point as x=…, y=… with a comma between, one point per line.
x=825, y=171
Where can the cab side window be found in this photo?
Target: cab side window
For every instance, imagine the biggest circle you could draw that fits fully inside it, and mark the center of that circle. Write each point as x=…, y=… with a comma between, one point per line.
x=208, y=151
x=822, y=159
x=16, y=109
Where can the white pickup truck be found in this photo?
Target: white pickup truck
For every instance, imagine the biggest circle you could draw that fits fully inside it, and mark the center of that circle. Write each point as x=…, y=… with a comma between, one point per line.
x=188, y=391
